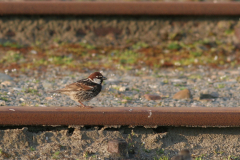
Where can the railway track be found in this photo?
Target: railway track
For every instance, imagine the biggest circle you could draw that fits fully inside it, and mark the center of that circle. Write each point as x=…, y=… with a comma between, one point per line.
x=134, y=116
x=149, y=117
x=119, y=116
x=118, y=8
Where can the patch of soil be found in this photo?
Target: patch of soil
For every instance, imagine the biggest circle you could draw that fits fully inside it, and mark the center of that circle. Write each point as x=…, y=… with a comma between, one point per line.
x=91, y=142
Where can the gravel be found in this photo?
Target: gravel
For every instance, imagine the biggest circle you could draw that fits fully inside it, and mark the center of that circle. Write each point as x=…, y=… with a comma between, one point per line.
x=119, y=30
x=127, y=88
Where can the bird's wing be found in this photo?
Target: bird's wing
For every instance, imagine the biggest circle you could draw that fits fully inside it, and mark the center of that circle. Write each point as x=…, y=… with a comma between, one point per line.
x=77, y=87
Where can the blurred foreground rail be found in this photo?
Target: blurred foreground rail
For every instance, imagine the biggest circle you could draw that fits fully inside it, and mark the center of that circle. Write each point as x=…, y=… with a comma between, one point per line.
x=135, y=116
x=118, y=8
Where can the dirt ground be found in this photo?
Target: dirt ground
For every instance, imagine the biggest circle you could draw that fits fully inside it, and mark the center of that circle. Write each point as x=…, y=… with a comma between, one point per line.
x=91, y=142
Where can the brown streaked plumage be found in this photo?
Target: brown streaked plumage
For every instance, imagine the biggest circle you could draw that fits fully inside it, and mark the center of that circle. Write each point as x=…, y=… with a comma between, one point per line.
x=85, y=89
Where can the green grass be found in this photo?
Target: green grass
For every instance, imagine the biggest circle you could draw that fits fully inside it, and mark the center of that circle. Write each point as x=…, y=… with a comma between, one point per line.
x=182, y=88
x=61, y=60
x=196, y=54
x=162, y=158
x=160, y=151
x=32, y=91
x=174, y=46
x=195, y=77
x=4, y=99
x=56, y=155
x=127, y=57
x=229, y=32
x=128, y=98
x=220, y=86
x=134, y=55
x=32, y=149
x=11, y=57
x=11, y=44
x=86, y=45
x=140, y=45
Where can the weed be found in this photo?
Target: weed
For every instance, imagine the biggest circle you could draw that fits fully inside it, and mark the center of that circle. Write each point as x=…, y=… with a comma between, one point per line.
x=178, y=85
x=135, y=89
x=232, y=157
x=88, y=46
x=11, y=57
x=130, y=141
x=195, y=77
x=224, y=78
x=165, y=81
x=200, y=157
x=220, y=86
x=128, y=57
x=4, y=99
x=115, y=87
x=229, y=32
x=128, y=98
x=24, y=104
x=139, y=45
x=61, y=60
x=160, y=151
x=161, y=158
x=41, y=62
x=86, y=154
x=4, y=154
x=32, y=149
x=56, y=155
x=12, y=45
x=218, y=152
x=196, y=54
x=182, y=88
x=173, y=46
x=32, y=91
x=84, y=55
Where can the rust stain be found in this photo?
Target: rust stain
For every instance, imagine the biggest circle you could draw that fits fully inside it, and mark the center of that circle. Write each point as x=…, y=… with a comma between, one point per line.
x=165, y=116
x=119, y=8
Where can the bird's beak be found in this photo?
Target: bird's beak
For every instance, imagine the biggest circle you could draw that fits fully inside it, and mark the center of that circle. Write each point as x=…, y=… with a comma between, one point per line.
x=104, y=78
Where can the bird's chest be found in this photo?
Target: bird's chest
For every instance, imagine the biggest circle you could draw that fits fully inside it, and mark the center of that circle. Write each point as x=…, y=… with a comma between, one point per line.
x=96, y=90
x=87, y=95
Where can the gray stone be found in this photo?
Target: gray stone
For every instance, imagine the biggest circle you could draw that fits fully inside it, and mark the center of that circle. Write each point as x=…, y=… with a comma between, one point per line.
x=2, y=103
x=5, y=77
x=152, y=97
x=209, y=96
x=46, y=85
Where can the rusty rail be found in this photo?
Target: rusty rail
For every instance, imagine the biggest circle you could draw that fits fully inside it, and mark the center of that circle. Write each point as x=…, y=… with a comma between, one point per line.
x=118, y=8
x=152, y=116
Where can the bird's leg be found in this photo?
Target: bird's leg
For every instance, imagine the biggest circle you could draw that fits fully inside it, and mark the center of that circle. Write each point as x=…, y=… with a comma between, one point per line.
x=83, y=106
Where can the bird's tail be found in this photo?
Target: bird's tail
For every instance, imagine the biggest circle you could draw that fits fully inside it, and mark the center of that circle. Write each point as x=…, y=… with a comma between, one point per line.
x=56, y=91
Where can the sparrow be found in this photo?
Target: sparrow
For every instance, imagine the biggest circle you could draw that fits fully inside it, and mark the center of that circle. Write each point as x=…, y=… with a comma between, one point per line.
x=85, y=89
x=183, y=155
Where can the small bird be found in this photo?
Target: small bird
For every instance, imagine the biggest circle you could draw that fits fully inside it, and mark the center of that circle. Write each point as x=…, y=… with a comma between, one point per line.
x=85, y=89
x=183, y=155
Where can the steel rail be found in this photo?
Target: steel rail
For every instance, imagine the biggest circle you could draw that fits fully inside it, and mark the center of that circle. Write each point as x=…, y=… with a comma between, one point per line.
x=118, y=8
x=136, y=116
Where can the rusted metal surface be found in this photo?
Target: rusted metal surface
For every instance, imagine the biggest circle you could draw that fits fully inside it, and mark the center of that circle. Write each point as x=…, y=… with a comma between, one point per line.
x=162, y=116
x=119, y=8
